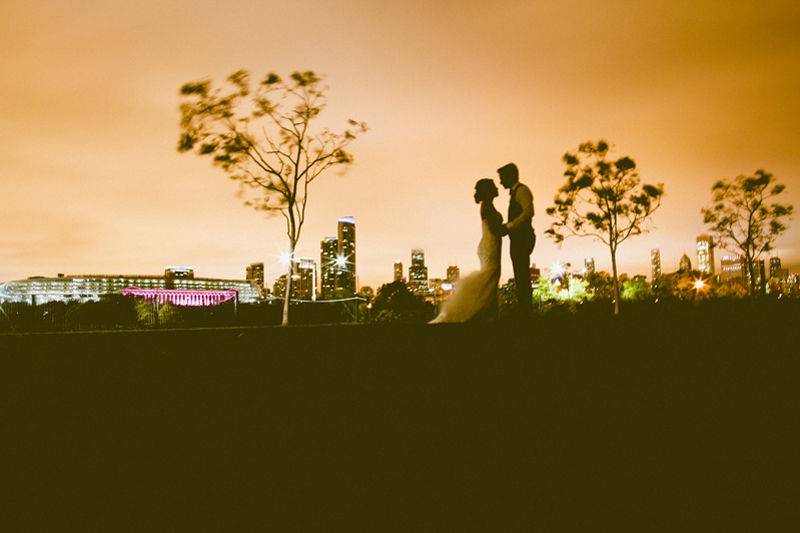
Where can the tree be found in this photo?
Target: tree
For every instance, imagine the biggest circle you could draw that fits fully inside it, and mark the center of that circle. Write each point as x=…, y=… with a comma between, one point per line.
x=743, y=216
x=604, y=199
x=262, y=138
x=636, y=289
x=395, y=303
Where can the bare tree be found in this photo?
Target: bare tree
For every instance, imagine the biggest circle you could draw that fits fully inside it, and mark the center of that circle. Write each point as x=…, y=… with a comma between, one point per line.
x=603, y=199
x=263, y=139
x=743, y=218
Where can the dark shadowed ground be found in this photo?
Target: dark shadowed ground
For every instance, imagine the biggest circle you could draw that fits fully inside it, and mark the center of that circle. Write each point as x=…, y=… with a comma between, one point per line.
x=570, y=423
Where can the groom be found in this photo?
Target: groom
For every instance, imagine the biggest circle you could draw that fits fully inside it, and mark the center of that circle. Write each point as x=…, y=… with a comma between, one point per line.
x=519, y=229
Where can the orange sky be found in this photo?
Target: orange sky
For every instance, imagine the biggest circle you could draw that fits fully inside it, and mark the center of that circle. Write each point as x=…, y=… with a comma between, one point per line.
x=90, y=180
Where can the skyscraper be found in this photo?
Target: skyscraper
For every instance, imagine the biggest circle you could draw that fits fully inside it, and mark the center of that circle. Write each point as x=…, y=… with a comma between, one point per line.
x=705, y=254
x=255, y=273
x=588, y=264
x=776, y=270
x=655, y=264
x=774, y=266
x=398, y=271
x=685, y=264
x=329, y=249
x=418, y=272
x=304, y=279
x=346, y=258
x=453, y=273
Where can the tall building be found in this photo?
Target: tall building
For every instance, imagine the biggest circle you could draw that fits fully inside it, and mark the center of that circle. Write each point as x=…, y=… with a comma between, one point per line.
x=775, y=269
x=398, y=271
x=304, y=279
x=588, y=264
x=453, y=273
x=760, y=271
x=346, y=258
x=418, y=272
x=255, y=275
x=732, y=267
x=705, y=254
x=279, y=287
x=774, y=266
x=329, y=249
x=655, y=263
x=685, y=264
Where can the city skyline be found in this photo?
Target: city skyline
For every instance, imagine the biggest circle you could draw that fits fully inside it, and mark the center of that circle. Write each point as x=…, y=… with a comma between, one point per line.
x=92, y=182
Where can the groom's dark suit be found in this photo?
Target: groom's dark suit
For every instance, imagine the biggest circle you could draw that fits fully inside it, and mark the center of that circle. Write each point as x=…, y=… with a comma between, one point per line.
x=523, y=239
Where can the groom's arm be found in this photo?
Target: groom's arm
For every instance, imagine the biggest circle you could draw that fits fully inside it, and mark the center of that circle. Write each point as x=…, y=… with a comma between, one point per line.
x=525, y=200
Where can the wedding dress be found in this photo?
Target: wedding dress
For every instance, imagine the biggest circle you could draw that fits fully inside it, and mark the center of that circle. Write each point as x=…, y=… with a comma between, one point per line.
x=477, y=291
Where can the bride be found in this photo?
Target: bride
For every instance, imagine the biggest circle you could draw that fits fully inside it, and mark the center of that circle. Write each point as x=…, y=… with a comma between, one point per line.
x=477, y=293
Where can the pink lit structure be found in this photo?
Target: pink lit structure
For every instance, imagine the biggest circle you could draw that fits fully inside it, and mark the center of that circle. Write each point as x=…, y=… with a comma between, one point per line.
x=183, y=298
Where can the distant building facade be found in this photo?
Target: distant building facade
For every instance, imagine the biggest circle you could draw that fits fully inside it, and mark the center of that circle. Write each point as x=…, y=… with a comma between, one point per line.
x=685, y=264
x=346, y=258
x=705, y=254
x=255, y=275
x=92, y=287
x=453, y=274
x=655, y=264
x=775, y=269
x=304, y=279
x=329, y=250
x=418, y=272
x=398, y=271
x=732, y=267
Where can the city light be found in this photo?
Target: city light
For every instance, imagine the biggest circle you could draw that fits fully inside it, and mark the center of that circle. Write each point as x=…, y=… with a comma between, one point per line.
x=341, y=261
x=699, y=284
x=285, y=258
x=556, y=269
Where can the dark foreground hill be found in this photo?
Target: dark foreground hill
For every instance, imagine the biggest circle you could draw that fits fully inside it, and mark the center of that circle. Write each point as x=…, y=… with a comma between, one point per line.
x=648, y=422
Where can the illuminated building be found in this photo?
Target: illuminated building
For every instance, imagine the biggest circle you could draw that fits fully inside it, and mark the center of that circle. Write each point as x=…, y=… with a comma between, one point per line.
x=398, y=271
x=453, y=273
x=279, y=287
x=588, y=264
x=705, y=254
x=92, y=287
x=685, y=264
x=732, y=267
x=437, y=291
x=760, y=273
x=775, y=270
x=346, y=258
x=178, y=272
x=418, y=272
x=655, y=264
x=255, y=275
x=182, y=298
x=327, y=260
x=304, y=279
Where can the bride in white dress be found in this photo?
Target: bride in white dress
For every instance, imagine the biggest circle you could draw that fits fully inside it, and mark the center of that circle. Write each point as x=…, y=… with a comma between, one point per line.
x=476, y=293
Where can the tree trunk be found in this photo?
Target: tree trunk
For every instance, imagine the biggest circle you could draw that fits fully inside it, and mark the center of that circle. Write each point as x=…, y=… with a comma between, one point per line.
x=751, y=271
x=288, y=291
x=616, y=280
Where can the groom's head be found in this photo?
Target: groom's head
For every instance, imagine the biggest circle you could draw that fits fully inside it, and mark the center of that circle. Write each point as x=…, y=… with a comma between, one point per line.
x=509, y=175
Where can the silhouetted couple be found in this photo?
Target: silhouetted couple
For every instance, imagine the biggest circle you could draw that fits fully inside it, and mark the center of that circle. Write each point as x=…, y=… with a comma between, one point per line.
x=475, y=295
